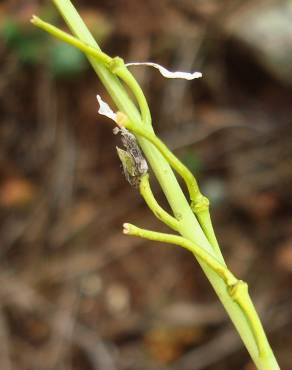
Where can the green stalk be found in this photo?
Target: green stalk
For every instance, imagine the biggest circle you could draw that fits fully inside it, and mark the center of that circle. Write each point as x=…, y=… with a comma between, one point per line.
x=188, y=225
x=159, y=212
x=199, y=252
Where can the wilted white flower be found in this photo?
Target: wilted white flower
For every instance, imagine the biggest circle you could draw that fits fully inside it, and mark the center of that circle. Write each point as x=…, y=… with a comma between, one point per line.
x=105, y=110
x=166, y=73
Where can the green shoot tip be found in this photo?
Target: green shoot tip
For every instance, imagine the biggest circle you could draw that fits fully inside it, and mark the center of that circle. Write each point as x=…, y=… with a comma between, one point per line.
x=126, y=228
x=34, y=19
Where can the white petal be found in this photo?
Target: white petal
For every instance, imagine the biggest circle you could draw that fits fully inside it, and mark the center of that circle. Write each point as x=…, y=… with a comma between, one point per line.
x=168, y=74
x=105, y=110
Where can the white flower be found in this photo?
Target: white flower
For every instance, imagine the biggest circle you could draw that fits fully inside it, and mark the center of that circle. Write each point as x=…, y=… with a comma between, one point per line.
x=166, y=73
x=105, y=110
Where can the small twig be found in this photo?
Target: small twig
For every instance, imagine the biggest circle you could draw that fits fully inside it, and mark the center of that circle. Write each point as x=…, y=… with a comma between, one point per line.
x=71, y=40
x=158, y=211
x=117, y=66
x=199, y=252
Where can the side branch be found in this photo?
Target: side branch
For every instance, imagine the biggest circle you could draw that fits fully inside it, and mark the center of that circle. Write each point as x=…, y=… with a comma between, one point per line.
x=117, y=67
x=239, y=293
x=199, y=252
x=158, y=211
x=71, y=40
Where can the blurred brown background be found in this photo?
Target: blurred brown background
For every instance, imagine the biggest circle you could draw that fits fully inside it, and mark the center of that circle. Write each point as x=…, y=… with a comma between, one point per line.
x=74, y=292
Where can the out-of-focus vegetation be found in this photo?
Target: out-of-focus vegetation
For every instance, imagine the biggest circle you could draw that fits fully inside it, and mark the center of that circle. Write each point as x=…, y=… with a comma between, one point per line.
x=75, y=293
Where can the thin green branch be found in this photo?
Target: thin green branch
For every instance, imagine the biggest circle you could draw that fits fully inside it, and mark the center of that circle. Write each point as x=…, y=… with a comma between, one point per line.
x=239, y=293
x=199, y=252
x=207, y=226
x=117, y=66
x=99, y=55
x=158, y=211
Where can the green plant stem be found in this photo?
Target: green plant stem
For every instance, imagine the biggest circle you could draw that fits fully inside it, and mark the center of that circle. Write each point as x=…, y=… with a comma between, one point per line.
x=239, y=293
x=118, y=67
x=71, y=40
x=199, y=252
x=159, y=212
x=189, y=227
